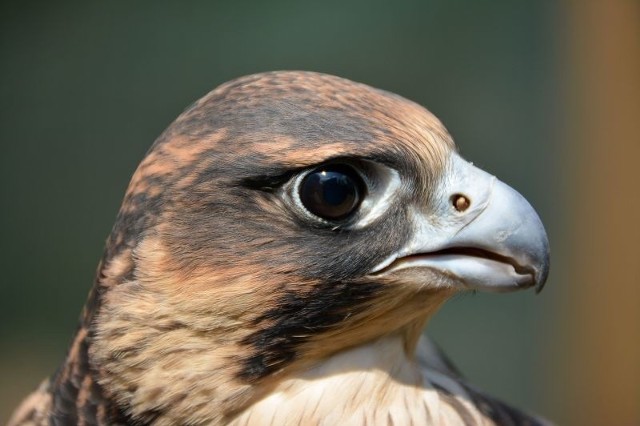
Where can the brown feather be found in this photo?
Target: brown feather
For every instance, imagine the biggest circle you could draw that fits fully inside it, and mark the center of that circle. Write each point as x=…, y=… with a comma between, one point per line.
x=213, y=297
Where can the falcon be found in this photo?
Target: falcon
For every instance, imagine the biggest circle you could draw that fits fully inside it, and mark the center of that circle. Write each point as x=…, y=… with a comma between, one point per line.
x=277, y=255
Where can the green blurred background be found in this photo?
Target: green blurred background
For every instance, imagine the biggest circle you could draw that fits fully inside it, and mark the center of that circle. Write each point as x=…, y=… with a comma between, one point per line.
x=87, y=86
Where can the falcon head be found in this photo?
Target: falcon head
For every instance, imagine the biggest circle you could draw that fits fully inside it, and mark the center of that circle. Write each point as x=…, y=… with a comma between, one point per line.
x=281, y=219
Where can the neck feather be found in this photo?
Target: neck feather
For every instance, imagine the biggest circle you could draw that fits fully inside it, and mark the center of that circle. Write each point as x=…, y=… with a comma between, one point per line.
x=376, y=383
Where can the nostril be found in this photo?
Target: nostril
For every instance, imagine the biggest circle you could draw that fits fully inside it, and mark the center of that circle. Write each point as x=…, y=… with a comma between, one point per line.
x=460, y=202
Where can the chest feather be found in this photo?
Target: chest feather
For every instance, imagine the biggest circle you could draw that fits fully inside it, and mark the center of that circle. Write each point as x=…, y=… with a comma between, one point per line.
x=374, y=384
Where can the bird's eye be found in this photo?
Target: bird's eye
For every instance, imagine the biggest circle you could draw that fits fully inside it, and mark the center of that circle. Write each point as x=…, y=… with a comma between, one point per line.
x=332, y=192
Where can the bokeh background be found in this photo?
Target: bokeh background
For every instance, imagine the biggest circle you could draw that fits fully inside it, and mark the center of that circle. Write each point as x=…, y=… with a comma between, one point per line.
x=544, y=94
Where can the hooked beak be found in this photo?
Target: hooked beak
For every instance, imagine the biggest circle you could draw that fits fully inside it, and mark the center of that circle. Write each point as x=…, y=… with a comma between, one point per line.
x=480, y=233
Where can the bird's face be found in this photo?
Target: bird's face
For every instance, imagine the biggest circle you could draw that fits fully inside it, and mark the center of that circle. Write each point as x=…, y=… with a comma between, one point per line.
x=286, y=216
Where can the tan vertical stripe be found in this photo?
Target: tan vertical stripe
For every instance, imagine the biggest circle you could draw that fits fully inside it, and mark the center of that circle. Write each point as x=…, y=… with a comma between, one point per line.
x=602, y=357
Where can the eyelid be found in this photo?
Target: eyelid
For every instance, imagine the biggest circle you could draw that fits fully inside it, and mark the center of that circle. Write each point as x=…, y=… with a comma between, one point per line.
x=387, y=188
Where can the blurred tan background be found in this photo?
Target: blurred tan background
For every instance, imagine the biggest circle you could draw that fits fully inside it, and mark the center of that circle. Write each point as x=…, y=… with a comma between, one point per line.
x=546, y=95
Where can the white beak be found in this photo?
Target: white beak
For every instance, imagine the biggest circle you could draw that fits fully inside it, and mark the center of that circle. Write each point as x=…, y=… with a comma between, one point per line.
x=492, y=239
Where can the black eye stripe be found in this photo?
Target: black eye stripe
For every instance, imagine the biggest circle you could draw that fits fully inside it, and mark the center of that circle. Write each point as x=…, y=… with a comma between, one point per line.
x=268, y=183
x=332, y=192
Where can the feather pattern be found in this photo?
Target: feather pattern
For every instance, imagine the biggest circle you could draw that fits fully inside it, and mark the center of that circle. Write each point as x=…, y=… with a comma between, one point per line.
x=218, y=302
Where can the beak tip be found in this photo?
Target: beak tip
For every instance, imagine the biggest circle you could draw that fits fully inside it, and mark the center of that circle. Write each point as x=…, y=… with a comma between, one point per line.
x=543, y=274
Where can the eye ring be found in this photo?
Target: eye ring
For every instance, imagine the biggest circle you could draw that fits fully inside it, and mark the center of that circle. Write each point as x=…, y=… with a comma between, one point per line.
x=332, y=192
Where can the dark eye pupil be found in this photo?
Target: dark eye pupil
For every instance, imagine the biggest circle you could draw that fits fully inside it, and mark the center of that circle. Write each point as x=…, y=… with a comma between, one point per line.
x=332, y=192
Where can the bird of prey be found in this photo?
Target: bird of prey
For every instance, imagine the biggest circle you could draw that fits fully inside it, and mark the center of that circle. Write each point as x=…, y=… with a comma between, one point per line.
x=276, y=257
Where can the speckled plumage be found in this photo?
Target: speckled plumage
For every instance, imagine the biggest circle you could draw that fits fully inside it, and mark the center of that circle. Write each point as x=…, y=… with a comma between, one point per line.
x=215, y=303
